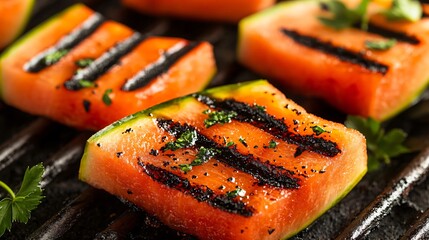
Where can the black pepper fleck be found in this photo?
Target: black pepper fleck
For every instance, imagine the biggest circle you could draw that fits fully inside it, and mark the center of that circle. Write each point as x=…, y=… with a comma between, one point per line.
x=119, y=154
x=86, y=105
x=271, y=230
x=154, y=152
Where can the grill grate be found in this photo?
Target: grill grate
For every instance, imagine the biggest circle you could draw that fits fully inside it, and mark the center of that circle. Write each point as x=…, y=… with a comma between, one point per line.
x=73, y=210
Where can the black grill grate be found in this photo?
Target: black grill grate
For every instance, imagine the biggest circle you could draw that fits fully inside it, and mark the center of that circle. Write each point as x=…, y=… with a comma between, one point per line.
x=73, y=210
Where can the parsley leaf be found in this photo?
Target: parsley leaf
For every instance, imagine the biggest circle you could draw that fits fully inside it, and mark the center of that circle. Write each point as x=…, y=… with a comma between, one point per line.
x=84, y=62
x=318, y=130
x=272, y=144
x=55, y=56
x=408, y=10
x=237, y=192
x=203, y=155
x=220, y=117
x=343, y=17
x=86, y=84
x=186, y=139
x=380, y=45
x=17, y=207
x=106, y=97
x=381, y=146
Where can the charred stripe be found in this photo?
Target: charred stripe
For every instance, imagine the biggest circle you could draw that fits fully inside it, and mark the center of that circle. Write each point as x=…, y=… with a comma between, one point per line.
x=160, y=66
x=338, y=52
x=102, y=64
x=201, y=193
x=264, y=172
x=387, y=33
x=276, y=127
x=66, y=43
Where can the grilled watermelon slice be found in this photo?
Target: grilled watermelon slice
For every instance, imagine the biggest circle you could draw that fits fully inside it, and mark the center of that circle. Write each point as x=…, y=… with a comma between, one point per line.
x=213, y=10
x=234, y=162
x=14, y=15
x=87, y=72
x=290, y=44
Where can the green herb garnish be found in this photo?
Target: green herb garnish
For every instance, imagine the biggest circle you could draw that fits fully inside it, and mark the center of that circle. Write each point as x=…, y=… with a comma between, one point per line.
x=343, y=17
x=185, y=167
x=203, y=155
x=243, y=141
x=86, y=84
x=273, y=144
x=17, y=207
x=381, y=146
x=220, y=117
x=380, y=45
x=186, y=139
x=54, y=57
x=84, y=62
x=259, y=107
x=237, y=192
x=106, y=97
x=318, y=130
x=229, y=144
x=408, y=10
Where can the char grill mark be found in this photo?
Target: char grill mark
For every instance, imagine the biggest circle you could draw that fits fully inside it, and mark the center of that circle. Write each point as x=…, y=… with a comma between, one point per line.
x=201, y=193
x=338, y=52
x=102, y=64
x=161, y=66
x=264, y=172
x=272, y=125
x=66, y=43
x=387, y=33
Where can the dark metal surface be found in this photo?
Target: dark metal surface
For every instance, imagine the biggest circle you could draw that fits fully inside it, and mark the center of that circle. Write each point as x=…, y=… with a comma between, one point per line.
x=73, y=210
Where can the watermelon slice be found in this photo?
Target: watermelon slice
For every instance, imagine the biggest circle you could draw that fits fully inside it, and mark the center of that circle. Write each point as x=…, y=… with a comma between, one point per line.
x=213, y=10
x=306, y=55
x=87, y=72
x=234, y=162
x=14, y=15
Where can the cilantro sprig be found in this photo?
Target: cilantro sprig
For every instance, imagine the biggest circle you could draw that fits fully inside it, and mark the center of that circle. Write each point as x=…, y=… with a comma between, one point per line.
x=17, y=207
x=381, y=145
x=344, y=17
x=408, y=10
x=380, y=45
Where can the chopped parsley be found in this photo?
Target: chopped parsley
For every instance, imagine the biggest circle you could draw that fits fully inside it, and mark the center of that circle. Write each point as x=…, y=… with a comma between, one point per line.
x=186, y=139
x=106, y=97
x=243, y=141
x=408, y=10
x=203, y=155
x=259, y=107
x=220, y=117
x=381, y=145
x=273, y=144
x=17, y=207
x=344, y=17
x=380, y=45
x=235, y=193
x=84, y=62
x=229, y=144
x=55, y=56
x=86, y=84
x=318, y=130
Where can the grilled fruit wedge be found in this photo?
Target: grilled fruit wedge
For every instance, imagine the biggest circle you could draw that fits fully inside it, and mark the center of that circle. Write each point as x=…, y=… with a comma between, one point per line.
x=14, y=15
x=214, y=10
x=314, y=59
x=87, y=72
x=234, y=162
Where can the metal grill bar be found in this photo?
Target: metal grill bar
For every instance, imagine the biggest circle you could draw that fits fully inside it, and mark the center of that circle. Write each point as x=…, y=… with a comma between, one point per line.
x=420, y=229
x=415, y=172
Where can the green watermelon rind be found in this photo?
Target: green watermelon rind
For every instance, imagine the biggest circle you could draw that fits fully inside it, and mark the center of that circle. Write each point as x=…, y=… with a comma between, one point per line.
x=26, y=39
x=129, y=120
x=279, y=8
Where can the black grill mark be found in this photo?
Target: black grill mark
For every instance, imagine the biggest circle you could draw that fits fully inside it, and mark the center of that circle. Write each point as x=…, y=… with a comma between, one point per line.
x=272, y=125
x=387, y=33
x=338, y=52
x=264, y=172
x=68, y=42
x=201, y=193
x=102, y=64
x=161, y=66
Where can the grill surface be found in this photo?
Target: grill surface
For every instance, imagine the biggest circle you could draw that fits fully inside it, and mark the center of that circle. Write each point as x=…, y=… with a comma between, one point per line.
x=397, y=195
